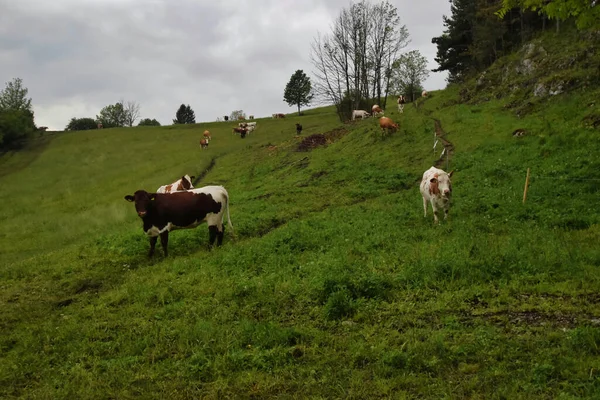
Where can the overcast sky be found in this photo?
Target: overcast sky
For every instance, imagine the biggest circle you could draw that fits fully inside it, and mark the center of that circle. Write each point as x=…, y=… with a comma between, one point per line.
x=76, y=56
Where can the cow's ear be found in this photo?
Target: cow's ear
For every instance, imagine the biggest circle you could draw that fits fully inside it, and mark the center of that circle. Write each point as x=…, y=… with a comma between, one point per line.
x=433, y=180
x=450, y=174
x=152, y=196
x=129, y=197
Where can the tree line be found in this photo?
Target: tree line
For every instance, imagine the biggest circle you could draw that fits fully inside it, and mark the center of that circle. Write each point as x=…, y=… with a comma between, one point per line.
x=478, y=32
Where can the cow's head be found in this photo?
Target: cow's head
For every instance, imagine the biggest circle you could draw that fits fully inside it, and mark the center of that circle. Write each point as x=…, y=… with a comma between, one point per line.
x=143, y=201
x=441, y=184
x=186, y=182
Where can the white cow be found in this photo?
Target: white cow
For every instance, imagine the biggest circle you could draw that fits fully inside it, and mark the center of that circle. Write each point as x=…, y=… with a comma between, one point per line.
x=360, y=114
x=185, y=183
x=436, y=188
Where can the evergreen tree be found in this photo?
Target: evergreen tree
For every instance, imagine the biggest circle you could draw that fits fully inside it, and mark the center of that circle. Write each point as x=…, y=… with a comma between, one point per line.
x=298, y=90
x=185, y=115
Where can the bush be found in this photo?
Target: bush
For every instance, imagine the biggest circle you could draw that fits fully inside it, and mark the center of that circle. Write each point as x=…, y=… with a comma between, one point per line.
x=15, y=127
x=81, y=124
x=149, y=122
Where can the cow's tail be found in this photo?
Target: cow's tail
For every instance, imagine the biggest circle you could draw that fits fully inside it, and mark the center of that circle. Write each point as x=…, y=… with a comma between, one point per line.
x=228, y=216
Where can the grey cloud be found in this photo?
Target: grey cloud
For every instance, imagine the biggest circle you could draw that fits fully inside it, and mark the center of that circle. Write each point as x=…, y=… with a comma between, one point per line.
x=77, y=56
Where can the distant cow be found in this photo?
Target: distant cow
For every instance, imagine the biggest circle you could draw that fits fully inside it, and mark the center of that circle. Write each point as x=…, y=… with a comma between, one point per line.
x=376, y=110
x=99, y=125
x=204, y=144
x=279, y=115
x=185, y=183
x=225, y=118
x=246, y=124
x=298, y=129
x=401, y=102
x=359, y=114
x=436, y=188
x=251, y=117
x=206, y=134
x=424, y=94
x=386, y=124
x=240, y=130
x=241, y=118
x=162, y=213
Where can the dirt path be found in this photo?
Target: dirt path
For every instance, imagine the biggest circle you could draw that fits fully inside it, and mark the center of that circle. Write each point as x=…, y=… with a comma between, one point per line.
x=448, y=146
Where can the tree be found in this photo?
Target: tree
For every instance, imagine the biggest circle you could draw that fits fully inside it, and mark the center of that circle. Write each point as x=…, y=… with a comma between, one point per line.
x=16, y=125
x=14, y=96
x=81, y=124
x=453, y=46
x=352, y=64
x=112, y=116
x=132, y=112
x=585, y=12
x=149, y=122
x=185, y=115
x=298, y=90
x=409, y=72
x=236, y=114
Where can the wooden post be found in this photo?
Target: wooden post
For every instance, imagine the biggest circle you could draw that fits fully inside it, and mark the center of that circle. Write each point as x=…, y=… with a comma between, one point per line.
x=526, y=186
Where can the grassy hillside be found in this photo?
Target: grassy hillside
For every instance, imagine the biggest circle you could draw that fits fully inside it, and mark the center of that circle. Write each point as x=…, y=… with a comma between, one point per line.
x=334, y=285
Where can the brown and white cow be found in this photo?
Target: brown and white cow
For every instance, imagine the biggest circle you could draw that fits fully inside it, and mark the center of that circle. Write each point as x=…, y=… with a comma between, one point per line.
x=424, y=93
x=206, y=134
x=240, y=130
x=184, y=183
x=401, y=102
x=204, y=144
x=436, y=188
x=162, y=213
x=376, y=110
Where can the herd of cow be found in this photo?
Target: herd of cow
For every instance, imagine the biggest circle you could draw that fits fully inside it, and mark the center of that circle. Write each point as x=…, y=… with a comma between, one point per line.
x=181, y=206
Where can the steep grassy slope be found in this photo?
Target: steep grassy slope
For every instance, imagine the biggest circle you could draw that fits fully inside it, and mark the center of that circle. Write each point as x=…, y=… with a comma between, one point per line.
x=334, y=284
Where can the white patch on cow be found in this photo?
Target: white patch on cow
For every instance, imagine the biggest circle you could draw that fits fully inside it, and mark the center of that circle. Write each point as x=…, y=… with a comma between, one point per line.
x=220, y=195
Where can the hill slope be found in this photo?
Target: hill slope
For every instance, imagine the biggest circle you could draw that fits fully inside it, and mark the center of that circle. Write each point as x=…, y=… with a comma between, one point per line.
x=334, y=284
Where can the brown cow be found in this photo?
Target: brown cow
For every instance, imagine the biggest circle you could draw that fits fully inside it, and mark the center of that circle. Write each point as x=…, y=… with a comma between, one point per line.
x=162, y=213
x=240, y=130
x=204, y=143
x=206, y=134
x=386, y=124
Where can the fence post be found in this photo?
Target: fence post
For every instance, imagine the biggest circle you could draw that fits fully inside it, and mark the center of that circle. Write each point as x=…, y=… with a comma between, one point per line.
x=526, y=186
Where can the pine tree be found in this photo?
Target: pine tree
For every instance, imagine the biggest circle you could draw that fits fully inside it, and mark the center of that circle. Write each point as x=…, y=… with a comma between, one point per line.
x=298, y=91
x=185, y=115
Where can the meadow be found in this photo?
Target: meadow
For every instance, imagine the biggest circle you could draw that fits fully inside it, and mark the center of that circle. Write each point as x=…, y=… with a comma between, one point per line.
x=333, y=284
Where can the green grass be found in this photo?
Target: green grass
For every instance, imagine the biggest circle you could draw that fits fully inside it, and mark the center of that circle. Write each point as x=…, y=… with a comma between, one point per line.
x=334, y=285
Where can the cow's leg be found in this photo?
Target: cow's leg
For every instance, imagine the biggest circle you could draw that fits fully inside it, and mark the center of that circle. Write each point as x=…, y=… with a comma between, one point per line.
x=425, y=206
x=212, y=234
x=220, y=234
x=435, y=210
x=153, y=240
x=164, y=241
x=446, y=210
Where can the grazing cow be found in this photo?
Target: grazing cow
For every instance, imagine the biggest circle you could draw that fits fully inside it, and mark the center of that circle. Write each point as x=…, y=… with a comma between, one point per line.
x=240, y=130
x=162, y=213
x=246, y=124
x=298, y=129
x=225, y=118
x=401, y=101
x=386, y=124
x=274, y=116
x=437, y=189
x=359, y=114
x=185, y=183
x=99, y=125
x=206, y=135
x=251, y=117
x=204, y=144
x=241, y=118
x=424, y=94
x=376, y=110
x=280, y=115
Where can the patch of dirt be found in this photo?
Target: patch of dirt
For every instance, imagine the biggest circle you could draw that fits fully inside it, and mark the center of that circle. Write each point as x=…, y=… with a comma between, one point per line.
x=592, y=121
x=533, y=318
x=448, y=146
x=200, y=176
x=321, y=139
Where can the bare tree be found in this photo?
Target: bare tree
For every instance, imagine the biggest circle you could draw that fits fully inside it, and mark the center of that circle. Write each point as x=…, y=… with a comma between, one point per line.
x=132, y=112
x=353, y=63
